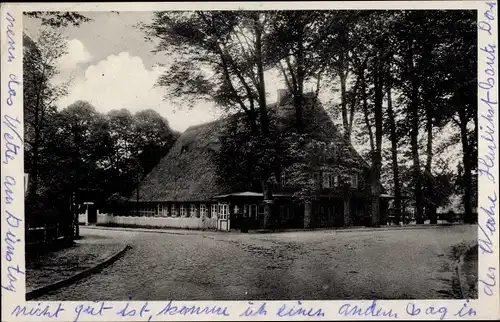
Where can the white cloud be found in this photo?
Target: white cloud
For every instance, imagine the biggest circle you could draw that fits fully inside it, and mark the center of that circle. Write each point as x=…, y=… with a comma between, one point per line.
x=122, y=81
x=76, y=54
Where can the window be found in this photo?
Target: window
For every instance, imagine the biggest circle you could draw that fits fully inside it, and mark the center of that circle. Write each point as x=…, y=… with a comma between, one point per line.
x=163, y=210
x=354, y=180
x=183, y=211
x=287, y=212
x=361, y=182
x=192, y=211
x=253, y=211
x=283, y=178
x=326, y=180
x=214, y=211
x=330, y=180
x=316, y=179
x=174, y=211
x=236, y=209
x=261, y=209
x=333, y=149
x=203, y=211
x=282, y=211
x=223, y=211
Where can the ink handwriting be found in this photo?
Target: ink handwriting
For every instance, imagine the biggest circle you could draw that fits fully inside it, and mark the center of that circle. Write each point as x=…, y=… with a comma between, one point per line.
x=98, y=310
x=371, y=310
x=441, y=312
x=12, y=138
x=172, y=309
x=487, y=161
x=487, y=285
x=292, y=310
x=10, y=33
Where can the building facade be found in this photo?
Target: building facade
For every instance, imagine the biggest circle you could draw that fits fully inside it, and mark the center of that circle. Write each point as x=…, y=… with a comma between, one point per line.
x=184, y=183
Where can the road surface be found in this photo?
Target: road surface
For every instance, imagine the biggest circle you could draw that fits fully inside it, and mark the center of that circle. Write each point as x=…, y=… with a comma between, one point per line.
x=312, y=265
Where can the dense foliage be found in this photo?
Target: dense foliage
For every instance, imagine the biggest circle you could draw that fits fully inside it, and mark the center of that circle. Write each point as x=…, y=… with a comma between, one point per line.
x=404, y=76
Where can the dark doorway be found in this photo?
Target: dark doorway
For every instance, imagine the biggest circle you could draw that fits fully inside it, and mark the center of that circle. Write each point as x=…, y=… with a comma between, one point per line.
x=92, y=214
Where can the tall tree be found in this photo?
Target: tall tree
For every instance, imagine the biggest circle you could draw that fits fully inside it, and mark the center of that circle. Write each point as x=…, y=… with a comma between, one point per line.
x=394, y=139
x=371, y=65
x=461, y=58
x=40, y=94
x=87, y=149
x=296, y=41
x=230, y=45
x=153, y=138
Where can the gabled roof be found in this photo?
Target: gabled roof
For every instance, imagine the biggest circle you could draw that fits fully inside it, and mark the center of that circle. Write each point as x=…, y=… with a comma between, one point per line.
x=188, y=171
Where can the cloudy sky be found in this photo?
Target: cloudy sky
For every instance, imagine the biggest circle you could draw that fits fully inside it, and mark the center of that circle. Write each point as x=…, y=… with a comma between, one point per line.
x=113, y=68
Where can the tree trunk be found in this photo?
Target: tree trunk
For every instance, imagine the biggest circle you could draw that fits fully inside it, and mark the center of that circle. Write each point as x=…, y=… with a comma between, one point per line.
x=36, y=146
x=266, y=189
x=415, y=156
x=264, y=122
x=377, y=155
x=308, y=223
x=347, y=211
x=394, y=153
x=430, y=205
x=414, y=120
x=343, y=105
x=298, y=95
x=365, y=112
x=469, y=219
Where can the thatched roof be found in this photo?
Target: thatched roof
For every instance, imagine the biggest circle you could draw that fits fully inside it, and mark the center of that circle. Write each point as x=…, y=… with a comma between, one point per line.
x=188, y=171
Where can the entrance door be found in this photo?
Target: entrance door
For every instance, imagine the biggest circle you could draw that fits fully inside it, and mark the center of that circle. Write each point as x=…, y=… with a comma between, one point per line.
x=92, y=214
x=223, y=217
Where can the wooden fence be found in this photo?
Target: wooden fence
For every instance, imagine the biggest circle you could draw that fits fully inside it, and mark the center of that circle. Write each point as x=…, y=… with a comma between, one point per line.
x=49, y=234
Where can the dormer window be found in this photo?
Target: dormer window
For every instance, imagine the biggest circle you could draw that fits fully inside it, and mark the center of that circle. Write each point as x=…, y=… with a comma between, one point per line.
x=330, y=180
x=326, y=180
x=283, y=178
x=333, y=149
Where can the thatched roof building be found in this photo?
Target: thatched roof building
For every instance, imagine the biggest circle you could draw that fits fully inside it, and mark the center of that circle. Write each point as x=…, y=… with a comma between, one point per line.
x=188, y=172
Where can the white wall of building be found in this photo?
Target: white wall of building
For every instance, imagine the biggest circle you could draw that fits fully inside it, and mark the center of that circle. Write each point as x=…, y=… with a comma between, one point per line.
x=173, y=222
x=83, y=219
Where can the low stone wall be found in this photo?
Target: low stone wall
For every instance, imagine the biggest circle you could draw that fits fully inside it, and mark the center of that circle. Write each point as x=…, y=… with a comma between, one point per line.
x=173, y=222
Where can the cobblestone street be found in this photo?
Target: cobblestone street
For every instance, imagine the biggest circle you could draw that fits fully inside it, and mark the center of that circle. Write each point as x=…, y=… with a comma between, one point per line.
x=315, y=265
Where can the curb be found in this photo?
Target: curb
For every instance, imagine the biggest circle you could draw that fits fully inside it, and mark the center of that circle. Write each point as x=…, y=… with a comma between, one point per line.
x=462, y=279
x=359, y=228
x=147, y=230
x=179, y=231
x=89, y=271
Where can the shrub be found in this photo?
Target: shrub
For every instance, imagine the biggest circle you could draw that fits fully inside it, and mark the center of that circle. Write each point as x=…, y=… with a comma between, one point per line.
x=117, y=205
